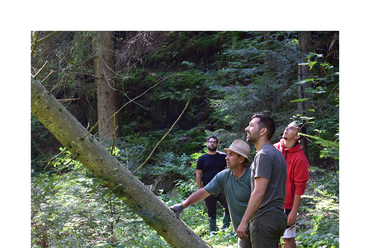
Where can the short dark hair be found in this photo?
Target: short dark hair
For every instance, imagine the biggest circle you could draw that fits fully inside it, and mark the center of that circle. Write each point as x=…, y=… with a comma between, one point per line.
x=267, y=122
x=212, y=137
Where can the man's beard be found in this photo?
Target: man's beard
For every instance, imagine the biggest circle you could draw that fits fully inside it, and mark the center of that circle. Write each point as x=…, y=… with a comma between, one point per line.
x=212, y=149
x=252, y=138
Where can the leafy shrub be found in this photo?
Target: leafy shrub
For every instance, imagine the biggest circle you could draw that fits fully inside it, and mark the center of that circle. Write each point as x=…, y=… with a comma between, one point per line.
x=319, y=211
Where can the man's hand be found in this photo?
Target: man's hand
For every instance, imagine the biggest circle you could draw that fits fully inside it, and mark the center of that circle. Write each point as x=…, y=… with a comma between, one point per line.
x=292, y=218
x=242, y=230
x=177, y=208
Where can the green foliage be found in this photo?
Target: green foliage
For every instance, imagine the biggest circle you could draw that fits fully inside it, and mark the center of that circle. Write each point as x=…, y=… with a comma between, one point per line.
x=227, y=76
x=322, y=119
x=255, y=78
x=319, y=211
x=330, y=148
x=74, y=210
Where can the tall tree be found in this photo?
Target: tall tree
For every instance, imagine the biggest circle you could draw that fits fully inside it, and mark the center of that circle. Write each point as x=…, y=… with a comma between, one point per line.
x=305, y=44
x=106, y=92
x=304, y=38
x=102, y=164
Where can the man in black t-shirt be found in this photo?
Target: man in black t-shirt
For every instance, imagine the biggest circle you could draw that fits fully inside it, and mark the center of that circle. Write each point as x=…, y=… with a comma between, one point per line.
x=208, y=166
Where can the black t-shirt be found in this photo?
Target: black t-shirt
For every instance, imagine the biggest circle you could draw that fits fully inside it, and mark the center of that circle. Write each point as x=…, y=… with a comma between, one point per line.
x=211, y=165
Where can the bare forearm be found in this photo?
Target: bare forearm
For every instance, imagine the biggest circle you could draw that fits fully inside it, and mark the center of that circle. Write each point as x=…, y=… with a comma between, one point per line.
x=296, y=203
x=195, y=197
x=292, y=217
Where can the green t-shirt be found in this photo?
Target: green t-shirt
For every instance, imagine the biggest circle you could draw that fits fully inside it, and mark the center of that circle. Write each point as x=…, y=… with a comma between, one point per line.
x=237, y=192
x=269, y=163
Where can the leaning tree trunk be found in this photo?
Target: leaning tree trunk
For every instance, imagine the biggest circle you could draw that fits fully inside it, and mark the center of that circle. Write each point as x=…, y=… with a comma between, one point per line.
x=103, y=165
x=106, y=92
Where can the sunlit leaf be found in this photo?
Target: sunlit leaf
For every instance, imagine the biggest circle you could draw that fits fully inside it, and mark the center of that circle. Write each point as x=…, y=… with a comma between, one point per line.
x=300, y=100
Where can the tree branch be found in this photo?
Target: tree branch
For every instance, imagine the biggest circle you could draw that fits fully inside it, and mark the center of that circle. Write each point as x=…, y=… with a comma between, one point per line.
x=162, y=138
x=131, y=101
x=37, y=73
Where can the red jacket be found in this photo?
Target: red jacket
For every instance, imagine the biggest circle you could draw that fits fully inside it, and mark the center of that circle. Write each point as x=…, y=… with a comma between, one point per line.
x=298, y=171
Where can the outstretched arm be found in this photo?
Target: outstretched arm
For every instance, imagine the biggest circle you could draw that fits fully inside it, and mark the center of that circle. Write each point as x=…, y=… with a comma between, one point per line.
x=194, y=198
x=197, y=196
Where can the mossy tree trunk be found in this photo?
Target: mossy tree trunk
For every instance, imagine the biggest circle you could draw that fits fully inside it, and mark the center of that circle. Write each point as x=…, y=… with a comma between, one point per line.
x=103, y=165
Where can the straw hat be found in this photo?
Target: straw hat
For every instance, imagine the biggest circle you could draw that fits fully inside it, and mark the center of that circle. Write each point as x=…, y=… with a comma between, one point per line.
x=240, y=147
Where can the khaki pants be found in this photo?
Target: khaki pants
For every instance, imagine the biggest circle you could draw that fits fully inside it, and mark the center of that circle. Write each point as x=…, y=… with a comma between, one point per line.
x=267, y=229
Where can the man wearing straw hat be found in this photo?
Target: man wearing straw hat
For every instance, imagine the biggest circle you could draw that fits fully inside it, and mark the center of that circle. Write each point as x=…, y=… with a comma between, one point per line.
x=234, y=181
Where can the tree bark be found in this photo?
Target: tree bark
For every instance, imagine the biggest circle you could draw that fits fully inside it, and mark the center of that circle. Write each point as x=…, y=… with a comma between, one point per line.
x=102, y=164
x=106, y=92
x=304, y=72
x=304, y=38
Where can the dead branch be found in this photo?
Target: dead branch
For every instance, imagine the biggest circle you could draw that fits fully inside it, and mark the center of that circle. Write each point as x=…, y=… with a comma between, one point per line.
x=132, y=100
x=162, y=138
x=53, y=158
x=37, y=73
x=90, y=130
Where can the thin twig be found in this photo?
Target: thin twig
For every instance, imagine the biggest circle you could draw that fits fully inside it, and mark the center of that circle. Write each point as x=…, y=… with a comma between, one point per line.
x=47, y=76
x=90, y=130
x=37, y=73
x=68, y=100
x=114, y=89
x=114, y=135
x=65, y=166
x=163, y=138
x=41, y=40
x=47, y=36
x=53, y=158
x=35, y=43
x=132, y=100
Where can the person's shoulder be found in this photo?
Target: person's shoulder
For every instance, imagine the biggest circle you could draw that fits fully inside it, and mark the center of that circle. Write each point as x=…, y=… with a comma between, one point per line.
x=221, y=153
x=203, y=156
x=224, y=172
x=266, y=149
x=269, y=150
x=279, y=144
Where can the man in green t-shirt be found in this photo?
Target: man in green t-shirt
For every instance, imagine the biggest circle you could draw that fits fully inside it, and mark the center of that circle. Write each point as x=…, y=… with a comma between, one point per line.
x=265, y=212
x=234, y=181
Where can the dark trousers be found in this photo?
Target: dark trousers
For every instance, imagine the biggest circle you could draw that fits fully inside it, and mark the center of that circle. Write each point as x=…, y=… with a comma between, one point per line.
x=267, y=229
x=211, y=202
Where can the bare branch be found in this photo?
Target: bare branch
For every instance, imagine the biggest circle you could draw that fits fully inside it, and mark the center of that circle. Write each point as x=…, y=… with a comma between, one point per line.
x=163, y=137
x=53, y=158
x=132, y=101
x=41, y=40
x=90, y=130
x=37, y=73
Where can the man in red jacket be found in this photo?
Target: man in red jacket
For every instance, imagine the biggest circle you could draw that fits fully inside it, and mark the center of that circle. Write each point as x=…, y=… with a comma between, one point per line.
x=297, y=177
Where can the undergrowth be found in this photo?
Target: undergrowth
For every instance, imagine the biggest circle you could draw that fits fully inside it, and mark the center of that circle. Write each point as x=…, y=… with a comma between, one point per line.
x=71, y=208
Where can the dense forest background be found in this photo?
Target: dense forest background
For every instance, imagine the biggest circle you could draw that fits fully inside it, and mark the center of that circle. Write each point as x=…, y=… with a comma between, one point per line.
x=130, y=88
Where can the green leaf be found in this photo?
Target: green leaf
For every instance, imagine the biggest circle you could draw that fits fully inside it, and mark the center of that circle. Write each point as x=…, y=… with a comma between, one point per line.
x=300, y=100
